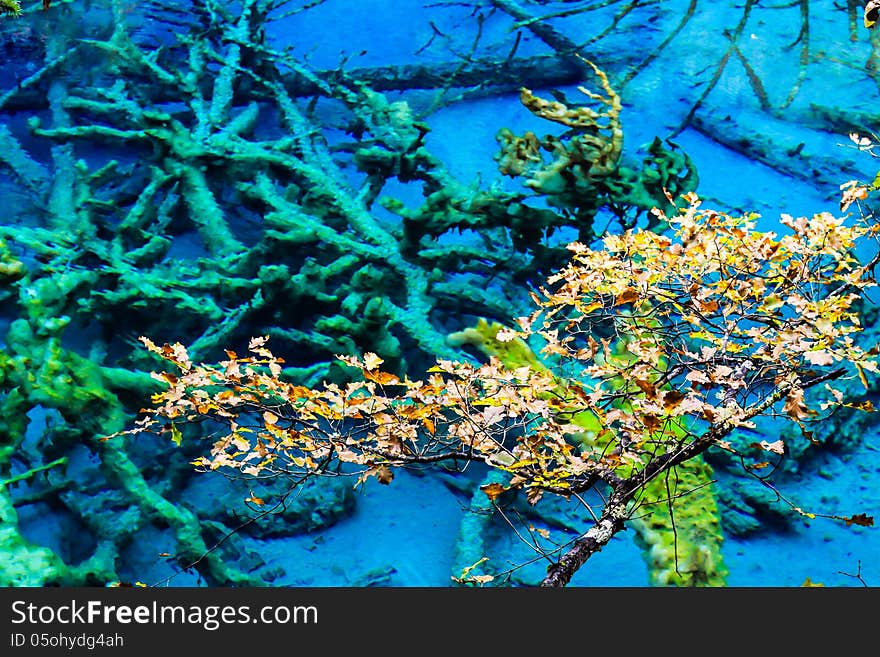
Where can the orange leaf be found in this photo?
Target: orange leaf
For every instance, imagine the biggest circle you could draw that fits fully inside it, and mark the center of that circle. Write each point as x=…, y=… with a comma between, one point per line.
x=860, y=519
x=382, y=378
x=671, y=399
x=253, y=499
x=651, y=422
x=627, y=296
x=646, y=387
x=795, y=406
x=543, y=533
x=492, y=490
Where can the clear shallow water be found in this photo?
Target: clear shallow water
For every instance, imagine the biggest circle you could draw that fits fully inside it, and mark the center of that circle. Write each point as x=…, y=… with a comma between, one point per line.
x=405, y=534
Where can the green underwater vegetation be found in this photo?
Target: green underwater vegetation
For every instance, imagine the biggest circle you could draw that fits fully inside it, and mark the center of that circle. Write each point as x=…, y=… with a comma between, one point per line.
x=10, y=7
x=212, y=182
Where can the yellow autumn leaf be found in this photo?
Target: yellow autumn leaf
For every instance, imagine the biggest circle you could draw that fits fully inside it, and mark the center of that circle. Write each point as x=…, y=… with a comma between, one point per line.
x=382, y=378
x=523, y=463
x=372, y=361
x=176, y=435
x=543, y=533
x=466, y=571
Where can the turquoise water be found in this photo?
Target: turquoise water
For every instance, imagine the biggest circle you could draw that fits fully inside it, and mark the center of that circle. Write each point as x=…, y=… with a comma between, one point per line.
x=770, y=136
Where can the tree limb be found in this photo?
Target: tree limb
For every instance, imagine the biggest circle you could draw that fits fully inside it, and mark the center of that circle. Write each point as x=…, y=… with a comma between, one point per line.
x=612, y=521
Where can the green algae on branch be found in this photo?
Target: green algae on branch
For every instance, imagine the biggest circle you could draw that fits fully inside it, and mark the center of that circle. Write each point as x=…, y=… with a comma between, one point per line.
x=38, y=373
x=179, y=176
x=27, y=564
x=10, y=8
x=585, y=171
x=24, y=476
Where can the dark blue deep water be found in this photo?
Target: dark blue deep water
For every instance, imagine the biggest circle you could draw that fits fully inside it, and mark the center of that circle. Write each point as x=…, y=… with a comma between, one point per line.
x=181, y=171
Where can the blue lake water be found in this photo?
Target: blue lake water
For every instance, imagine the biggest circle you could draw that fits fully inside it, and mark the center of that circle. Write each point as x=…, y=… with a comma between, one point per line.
x=761, y=98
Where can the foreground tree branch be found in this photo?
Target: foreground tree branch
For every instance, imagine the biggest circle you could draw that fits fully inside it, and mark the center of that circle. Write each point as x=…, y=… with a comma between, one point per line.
x=612, y=521
x=614, y=517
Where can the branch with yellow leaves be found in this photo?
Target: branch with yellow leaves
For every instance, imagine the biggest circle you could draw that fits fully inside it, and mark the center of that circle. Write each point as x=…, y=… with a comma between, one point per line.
x=617, y=510
x=658, y=346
